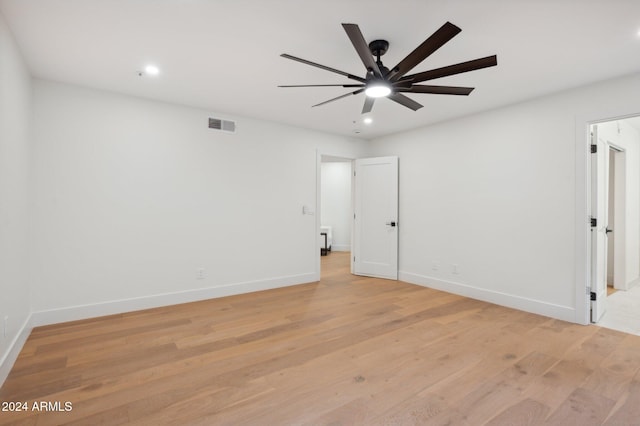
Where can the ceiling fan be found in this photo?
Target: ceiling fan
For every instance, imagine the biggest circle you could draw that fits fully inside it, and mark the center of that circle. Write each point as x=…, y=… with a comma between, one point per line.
x=380, y=81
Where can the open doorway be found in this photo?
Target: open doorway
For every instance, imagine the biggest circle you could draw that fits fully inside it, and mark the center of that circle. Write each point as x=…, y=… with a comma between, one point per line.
x=367, y=230
x=336, y=208
x=615, y=232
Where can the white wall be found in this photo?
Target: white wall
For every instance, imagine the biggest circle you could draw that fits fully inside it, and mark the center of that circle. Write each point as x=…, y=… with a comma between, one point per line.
x=15, y=112
x=133, y=196
x=495, y=194
x=336, y=202
x=625, y=136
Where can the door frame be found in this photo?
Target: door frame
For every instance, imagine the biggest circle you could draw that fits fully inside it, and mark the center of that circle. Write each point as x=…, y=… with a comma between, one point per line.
x=582, y=242
x=600, y=197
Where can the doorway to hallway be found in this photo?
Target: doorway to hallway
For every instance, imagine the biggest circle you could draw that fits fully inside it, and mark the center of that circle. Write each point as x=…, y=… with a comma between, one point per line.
x=336, y=207
x=370, y=224
x=615, y=220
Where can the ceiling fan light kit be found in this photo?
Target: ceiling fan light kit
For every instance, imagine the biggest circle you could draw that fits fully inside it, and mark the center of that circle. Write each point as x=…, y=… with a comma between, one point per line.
x=377, y=90
x=380, y=81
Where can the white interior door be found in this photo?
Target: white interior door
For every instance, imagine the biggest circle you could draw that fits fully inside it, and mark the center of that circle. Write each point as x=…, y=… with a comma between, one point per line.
x=375, y=247
x=599, y=212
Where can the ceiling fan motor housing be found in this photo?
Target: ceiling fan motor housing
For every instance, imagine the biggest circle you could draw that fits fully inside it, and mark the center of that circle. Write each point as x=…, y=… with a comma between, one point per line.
x=378, y=47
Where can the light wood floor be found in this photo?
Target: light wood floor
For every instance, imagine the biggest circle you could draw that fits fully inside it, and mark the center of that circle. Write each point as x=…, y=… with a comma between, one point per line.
x=347, y=350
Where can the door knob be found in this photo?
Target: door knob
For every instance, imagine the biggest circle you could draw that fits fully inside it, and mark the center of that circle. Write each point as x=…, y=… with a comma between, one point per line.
x=392, y=224
x=608, y=230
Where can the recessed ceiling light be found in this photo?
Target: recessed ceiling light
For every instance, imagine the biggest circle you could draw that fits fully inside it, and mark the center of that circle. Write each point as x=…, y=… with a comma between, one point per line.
x=367, y=120
x=151, y=70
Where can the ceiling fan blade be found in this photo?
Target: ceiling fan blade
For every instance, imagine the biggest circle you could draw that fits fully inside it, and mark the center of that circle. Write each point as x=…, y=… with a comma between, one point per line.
x=368, y=104
x=402, y=84
x=430, y=45
x=403, y=100
x=323, y=85
x=340, y=97
x=324, y=67
x=438, y=90
x=462, y=67
x=358, y=41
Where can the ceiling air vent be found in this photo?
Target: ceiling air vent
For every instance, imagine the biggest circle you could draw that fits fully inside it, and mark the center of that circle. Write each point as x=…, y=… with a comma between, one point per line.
x=224, y=125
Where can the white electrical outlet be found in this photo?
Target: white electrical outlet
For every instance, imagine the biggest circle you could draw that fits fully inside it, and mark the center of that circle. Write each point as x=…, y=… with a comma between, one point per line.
x=435, y=265
x=200, y=273
x=455, y=269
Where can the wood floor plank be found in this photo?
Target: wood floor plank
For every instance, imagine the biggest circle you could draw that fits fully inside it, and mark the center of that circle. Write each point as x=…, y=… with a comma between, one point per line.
x=414, y=410
x=345, y=350
x=555, y=386
x=582, y=407
x=628, y=412
x=523, y=413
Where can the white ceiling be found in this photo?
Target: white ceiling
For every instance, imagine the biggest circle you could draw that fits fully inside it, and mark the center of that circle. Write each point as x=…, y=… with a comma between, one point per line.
x=223, y=55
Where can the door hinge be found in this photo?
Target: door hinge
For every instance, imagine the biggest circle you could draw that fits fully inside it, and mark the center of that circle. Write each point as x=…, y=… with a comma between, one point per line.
x=354, y=258
x=594, y=222
x=593, y=295
x=594, y=149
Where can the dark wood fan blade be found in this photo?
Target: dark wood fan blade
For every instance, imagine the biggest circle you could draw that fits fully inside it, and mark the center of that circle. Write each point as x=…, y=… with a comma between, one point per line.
x=340, y=97
x=358, y=41
x=403, y=100
x=368, y=104
x=402, y=84
x=462, y=67
x=438, y=90
x=430, y=45
x=324, y=67
x=323, y=85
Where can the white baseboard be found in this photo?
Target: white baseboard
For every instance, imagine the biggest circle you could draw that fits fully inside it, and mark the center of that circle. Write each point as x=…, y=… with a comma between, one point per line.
x=10, y=356
x=565, y=313
x=340, y=247
x=73, y=313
